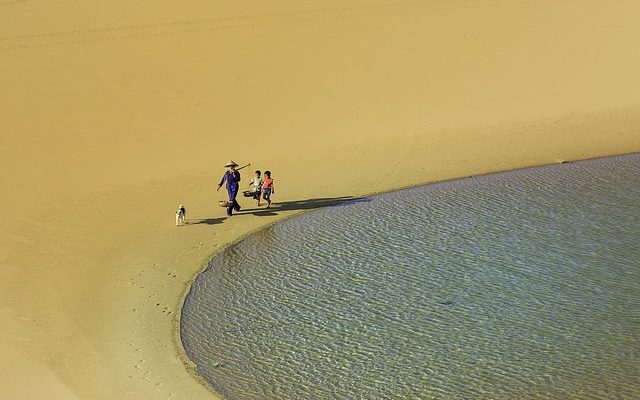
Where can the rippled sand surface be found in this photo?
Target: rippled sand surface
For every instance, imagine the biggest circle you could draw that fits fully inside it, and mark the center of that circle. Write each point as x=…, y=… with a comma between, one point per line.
x=523, y=284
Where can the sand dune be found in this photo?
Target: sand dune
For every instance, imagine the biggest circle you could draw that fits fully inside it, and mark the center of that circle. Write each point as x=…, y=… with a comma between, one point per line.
x=114, y=113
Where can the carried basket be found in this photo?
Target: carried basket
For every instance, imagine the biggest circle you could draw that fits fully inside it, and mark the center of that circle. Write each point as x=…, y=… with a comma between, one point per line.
x=249, y=193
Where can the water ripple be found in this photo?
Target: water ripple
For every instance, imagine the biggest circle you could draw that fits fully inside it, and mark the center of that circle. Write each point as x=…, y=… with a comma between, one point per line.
x=517, y=285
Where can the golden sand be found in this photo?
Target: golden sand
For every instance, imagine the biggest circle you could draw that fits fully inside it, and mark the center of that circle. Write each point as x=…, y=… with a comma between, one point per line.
x=113, y=113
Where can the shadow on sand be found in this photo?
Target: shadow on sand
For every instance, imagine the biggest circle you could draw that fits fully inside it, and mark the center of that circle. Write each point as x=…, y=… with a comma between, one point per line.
x=262, y=211
x=206, y=221
x=308, y=204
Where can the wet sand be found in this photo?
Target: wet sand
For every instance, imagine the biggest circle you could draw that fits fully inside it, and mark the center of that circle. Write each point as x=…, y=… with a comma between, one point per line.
x=112, y=115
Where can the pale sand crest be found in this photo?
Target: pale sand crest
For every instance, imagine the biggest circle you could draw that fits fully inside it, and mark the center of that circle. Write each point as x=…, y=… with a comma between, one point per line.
x=113, y=113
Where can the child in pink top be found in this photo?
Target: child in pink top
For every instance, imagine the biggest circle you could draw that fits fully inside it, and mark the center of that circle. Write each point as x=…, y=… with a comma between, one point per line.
x=267, y=187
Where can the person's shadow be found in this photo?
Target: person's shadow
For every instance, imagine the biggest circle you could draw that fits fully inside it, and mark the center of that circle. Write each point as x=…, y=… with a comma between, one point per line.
x=206, y=221
x=308, y=204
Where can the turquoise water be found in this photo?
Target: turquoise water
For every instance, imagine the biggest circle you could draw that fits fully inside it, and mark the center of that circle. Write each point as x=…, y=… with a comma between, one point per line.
x=523, y=284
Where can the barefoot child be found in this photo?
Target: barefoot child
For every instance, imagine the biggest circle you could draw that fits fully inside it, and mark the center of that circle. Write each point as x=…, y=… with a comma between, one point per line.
x=267, y=187
x=256, y=185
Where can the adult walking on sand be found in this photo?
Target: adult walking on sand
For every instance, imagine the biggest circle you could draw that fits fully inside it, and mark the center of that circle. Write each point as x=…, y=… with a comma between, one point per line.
x=232, y=178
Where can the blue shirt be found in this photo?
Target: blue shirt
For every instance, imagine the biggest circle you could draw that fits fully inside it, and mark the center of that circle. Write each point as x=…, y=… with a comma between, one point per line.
x=232, y=179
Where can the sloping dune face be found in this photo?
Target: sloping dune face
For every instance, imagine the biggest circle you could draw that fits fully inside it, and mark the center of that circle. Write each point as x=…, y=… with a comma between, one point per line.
x=113, y=113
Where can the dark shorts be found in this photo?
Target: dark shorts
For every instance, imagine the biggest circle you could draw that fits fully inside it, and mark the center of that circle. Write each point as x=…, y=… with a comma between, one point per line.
x=266, y=193
x=256, y=196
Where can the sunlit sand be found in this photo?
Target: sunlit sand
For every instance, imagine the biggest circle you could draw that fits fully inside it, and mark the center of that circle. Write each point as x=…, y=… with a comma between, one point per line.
x=114, y=113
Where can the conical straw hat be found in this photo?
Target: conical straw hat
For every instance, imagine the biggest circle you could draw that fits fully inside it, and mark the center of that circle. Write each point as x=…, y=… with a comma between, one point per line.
x=231, y=164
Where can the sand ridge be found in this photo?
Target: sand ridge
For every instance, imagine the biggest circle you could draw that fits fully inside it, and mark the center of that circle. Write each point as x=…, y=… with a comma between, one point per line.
x=112, y=115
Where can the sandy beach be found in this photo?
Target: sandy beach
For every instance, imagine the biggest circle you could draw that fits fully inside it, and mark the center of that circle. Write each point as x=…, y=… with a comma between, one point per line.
x=113, y=114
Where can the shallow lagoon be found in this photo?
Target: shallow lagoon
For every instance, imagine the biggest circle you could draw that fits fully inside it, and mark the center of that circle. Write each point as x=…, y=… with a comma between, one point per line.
x=523, y=284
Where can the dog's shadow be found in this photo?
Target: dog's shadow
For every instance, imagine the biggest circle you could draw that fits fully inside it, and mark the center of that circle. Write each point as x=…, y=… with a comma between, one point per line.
x=205, y=221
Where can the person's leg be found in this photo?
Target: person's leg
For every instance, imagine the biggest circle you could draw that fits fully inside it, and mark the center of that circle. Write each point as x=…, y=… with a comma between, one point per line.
x=231, y=202
x=232, y=197
x=267, y=197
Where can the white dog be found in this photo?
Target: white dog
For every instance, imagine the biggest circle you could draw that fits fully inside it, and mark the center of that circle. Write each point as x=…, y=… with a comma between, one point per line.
x=181, y=215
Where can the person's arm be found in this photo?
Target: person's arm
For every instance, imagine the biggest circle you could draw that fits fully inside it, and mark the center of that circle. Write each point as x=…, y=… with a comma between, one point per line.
x=273, y=191
x=222, y=181
x=236, y=174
